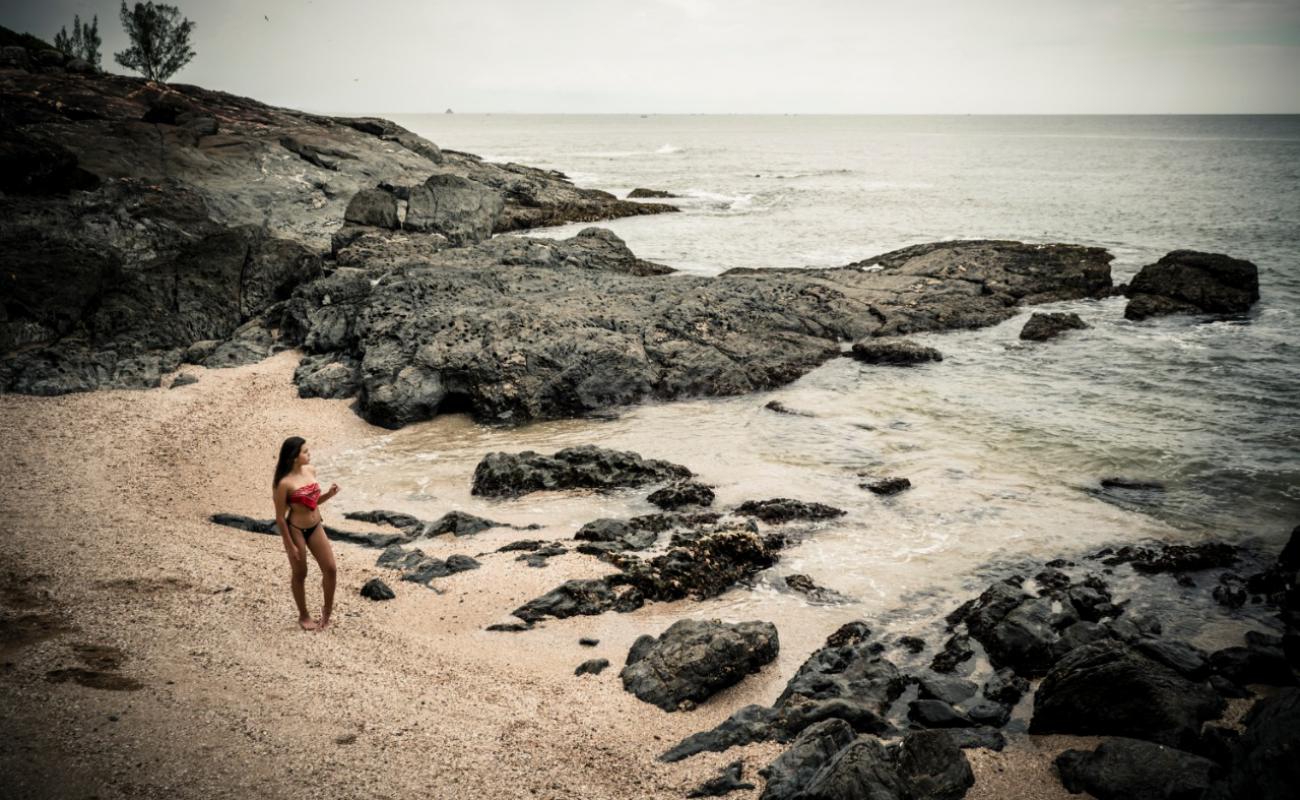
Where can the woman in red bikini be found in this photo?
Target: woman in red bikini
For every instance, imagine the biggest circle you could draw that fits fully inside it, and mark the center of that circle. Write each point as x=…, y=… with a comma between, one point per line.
x=297, y=498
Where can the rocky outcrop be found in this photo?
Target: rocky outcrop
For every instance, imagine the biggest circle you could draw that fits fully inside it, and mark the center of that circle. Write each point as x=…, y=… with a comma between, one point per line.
x=893, y=352
x=694, y=659
x=1042, y=327
x=138, y=218
x=1191, y=281
x=925, y=765
x=727, y=781
x=886, y=486
x=585, y=467
x=643, y=193
x=457, y=523
x=417, y=567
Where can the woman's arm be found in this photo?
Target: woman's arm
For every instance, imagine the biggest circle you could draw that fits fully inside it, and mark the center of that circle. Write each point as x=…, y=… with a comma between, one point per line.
x=334, y=489
x=278, y=497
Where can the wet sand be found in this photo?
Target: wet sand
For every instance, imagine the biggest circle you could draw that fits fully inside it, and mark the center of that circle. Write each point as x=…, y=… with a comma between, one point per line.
x=147, y=652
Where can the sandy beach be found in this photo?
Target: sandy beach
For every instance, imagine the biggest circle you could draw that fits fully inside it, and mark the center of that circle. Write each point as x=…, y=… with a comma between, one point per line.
x=148, y=652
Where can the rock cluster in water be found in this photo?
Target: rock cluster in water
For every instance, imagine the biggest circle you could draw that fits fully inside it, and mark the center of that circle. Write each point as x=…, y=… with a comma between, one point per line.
x=1187, y=281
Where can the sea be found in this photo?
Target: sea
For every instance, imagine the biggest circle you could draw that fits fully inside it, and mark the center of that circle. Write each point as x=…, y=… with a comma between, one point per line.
x=1005, y=442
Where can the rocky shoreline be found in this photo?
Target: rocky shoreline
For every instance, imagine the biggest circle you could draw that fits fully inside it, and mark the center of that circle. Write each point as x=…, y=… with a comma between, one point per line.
x=152, y=226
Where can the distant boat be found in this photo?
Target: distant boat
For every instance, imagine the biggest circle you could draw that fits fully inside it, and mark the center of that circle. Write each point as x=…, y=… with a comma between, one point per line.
x=448, y=111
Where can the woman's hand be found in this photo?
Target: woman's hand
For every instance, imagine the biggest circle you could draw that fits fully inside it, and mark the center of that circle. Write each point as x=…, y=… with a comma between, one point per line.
x=334, y=489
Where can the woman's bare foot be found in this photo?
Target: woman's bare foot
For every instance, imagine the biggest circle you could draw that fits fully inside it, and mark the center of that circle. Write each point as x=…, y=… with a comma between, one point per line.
x=322, y=624
x=308, y=624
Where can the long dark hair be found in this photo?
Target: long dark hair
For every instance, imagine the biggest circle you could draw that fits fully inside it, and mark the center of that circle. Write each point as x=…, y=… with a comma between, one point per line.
x=288, y=454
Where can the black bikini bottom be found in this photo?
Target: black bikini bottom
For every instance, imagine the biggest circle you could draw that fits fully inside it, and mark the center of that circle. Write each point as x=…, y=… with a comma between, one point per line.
x=306, y=532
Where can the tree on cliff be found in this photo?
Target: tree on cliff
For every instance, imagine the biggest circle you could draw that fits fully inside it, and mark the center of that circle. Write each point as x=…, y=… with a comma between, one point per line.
x=83, y=43
x=160, y=40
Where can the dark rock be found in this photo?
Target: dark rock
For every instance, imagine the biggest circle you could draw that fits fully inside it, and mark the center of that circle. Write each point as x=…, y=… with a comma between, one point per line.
x=376, y=589
x=1227, y=688
x=1289, y=558
x=1253, y=664
x=933, y=766
x=946, y=688
x=1174, y=557
x=1052, y=581
x=1106, y=688
x=1077, y=635
x=700, y=569
x=812, y=750
x=987, y=738
x=912, y=644
x=782, y=509
x=593, y=666
x=324, y=376
x=461, y=209
x=1230, y=595
x=782, y=408
x=1042, y=327
x=850, y=633
x=1005, y=686
x=805, y=586
x=987, y=712
x=1131, y=769
x=937, y=714
x=955, y=651
x=752, y=723
x=586, y=596
x=862, y=769
x=1024, y=639
x=587, y=641
x=894, y=352
x=1207, y=282
x=682, y=493
x=186, y=379
x=1142, y=306
x=1090, y=603
x=585, y=467
x=639, y=193
x=1132, y=484
x=373, y=207
x=454, y=522
x=887, y=486
x=539, y=557
x=693, y=659
x=418, y=567
x=726, y=782
x=1187, y=660
x=1264, y=764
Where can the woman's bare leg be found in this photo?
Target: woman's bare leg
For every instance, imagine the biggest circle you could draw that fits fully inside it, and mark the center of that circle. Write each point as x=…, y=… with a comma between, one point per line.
x=319, y=544
x=298, y=582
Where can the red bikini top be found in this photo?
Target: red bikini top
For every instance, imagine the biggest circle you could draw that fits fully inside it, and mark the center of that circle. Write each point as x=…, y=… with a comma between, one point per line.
x=306, y=495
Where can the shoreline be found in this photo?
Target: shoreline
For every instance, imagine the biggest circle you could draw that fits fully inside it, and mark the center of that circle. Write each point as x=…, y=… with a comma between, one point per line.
x=403, y=677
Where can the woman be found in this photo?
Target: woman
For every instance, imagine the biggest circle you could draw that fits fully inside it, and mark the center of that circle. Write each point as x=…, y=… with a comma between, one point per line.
x=297, y=498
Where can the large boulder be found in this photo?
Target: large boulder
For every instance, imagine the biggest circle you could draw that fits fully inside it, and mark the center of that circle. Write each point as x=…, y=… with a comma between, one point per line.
x=1264, y=765
x=584, y=467
x=374, y=207
x=812, y=750
x=933, y=767
x=1131, y=769
x=693, y=659
x=458, y=208
x=1189, y=280
x=1042, y=327
x=1108, y=689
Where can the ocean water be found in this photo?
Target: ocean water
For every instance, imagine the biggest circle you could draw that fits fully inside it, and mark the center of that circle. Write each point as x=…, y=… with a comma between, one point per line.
x=1004, y=441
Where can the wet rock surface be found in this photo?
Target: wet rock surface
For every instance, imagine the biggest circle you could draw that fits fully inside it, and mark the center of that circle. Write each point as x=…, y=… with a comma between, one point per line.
x=585, y=467
x=682, y=493
x=783, y=509
x=1042, y=327
x=899, y=353
x=417, y=567
x=887, y=486
x=1192, y=281
x=694, y=659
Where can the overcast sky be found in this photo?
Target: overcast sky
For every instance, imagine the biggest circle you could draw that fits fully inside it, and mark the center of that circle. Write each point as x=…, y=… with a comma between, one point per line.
x=743, y=56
